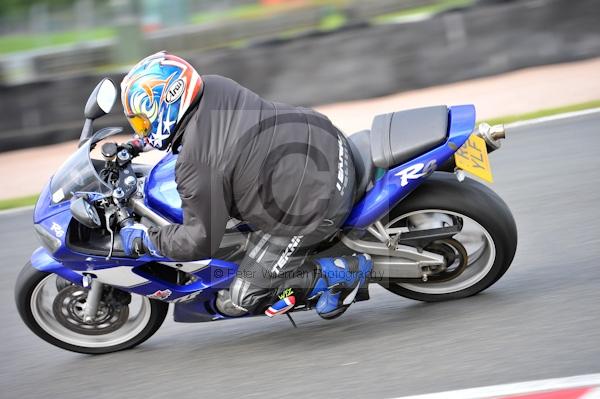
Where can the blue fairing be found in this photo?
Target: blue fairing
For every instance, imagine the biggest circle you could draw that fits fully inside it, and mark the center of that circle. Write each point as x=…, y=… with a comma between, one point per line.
x=216, y=275
x=44, y=207
x=70, y=265
x=161, y=190
x=391, y=188
x=41, y=260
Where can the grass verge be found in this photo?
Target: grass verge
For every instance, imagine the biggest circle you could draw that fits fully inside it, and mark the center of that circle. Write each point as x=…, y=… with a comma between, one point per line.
x=18, y=202
x=434, y=8
x=544, y=112
x=14, y=43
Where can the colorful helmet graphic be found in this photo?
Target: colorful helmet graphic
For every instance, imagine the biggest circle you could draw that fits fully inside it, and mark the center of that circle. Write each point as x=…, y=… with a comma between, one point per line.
x=156, y=94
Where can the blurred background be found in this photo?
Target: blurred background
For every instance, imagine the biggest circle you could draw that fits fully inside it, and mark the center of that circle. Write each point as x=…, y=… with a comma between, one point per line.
x=351, y=59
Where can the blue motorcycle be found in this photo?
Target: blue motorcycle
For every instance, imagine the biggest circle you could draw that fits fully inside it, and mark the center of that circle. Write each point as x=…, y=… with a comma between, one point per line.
x=433, y=233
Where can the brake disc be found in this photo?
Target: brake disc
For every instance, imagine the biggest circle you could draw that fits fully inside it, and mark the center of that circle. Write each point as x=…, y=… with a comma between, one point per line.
x=456, y=260
x=68, y=309
x=454, y=254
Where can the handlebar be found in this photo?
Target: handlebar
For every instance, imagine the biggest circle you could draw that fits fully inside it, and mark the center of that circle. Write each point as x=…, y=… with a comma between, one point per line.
x=135, y=147
x=125, y=152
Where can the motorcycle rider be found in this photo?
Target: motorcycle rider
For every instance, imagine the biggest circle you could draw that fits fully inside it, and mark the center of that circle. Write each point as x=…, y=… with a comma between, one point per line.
x=284, y=170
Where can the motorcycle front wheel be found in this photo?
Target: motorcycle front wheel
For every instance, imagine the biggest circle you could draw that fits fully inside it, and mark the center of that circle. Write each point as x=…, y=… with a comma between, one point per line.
x=53, y=309
x=477, y=256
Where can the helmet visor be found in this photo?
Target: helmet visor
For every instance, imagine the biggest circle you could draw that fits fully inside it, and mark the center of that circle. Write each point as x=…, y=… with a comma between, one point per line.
x=140, y=123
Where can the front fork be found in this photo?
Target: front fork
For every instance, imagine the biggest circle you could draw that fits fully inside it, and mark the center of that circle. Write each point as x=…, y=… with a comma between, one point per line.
x=90, y=308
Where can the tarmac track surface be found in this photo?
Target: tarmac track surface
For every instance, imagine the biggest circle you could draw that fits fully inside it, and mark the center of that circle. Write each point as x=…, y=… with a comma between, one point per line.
x=541, y=320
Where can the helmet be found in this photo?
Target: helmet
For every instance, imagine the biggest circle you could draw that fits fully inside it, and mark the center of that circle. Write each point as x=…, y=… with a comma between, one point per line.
x=156, y=94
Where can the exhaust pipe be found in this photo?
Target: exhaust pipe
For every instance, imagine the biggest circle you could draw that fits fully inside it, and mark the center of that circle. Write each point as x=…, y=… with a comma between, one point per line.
x=497, y=132
x=492, y=135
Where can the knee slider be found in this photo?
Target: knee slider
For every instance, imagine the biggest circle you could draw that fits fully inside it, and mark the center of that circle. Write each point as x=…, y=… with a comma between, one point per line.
x=247, y=296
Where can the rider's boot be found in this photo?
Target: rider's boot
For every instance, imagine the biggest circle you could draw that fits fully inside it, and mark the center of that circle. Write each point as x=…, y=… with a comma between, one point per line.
x=287, y=300
x=338, y=281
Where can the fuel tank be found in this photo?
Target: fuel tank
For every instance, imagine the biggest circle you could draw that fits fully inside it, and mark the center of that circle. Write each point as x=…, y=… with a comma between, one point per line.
x=160, y=190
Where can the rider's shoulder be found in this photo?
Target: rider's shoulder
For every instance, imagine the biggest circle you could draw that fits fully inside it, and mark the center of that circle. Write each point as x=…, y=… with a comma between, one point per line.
x=213, y=81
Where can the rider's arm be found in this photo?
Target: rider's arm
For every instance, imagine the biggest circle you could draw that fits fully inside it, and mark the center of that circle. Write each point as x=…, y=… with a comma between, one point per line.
x=204, y=215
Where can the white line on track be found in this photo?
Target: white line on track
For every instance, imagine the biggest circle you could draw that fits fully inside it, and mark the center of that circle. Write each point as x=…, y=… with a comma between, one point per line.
x=494, y=391
x=594, y=394
x=552, y=118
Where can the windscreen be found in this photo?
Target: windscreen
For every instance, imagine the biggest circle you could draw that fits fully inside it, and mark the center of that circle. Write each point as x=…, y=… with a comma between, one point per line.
x=77, y=174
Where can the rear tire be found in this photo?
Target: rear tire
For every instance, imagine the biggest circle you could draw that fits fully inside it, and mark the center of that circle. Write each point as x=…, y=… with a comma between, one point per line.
x=27, y=286
x=443, y=192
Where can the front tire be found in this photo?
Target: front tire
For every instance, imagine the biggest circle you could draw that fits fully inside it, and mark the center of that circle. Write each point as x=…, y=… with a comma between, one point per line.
x=35, y=296
x=471, y=201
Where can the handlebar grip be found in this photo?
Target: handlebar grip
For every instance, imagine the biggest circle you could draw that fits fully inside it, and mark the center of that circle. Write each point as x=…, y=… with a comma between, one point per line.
x=127, y=222
x=136, y=146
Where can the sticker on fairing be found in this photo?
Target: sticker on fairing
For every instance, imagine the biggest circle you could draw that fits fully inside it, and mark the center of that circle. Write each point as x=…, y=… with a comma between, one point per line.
x=57, y=229
x=416, y=171
x=58, y=196
x=160, y=294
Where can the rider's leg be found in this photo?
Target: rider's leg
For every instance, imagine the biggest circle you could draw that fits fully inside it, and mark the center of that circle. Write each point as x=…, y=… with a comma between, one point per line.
x=275, y=266
x=275, y=276
x=269, y=263
x=334, y=284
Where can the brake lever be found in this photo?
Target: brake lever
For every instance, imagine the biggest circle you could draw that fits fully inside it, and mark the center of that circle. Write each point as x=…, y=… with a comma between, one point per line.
x=107, y=215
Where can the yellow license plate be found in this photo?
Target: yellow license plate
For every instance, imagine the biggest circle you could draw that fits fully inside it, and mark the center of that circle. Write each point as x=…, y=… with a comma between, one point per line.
x=472, y=157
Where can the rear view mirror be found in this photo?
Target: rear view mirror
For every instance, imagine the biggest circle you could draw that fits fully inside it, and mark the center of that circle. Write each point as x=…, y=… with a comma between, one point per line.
x=85, y=213
x=101, y=100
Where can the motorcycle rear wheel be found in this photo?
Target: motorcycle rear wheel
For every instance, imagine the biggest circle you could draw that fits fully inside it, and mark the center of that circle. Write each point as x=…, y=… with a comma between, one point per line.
x=49, y=309
x=486, y=218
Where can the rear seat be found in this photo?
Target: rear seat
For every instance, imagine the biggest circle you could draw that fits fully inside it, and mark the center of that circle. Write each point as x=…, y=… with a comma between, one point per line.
x=400, y=136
